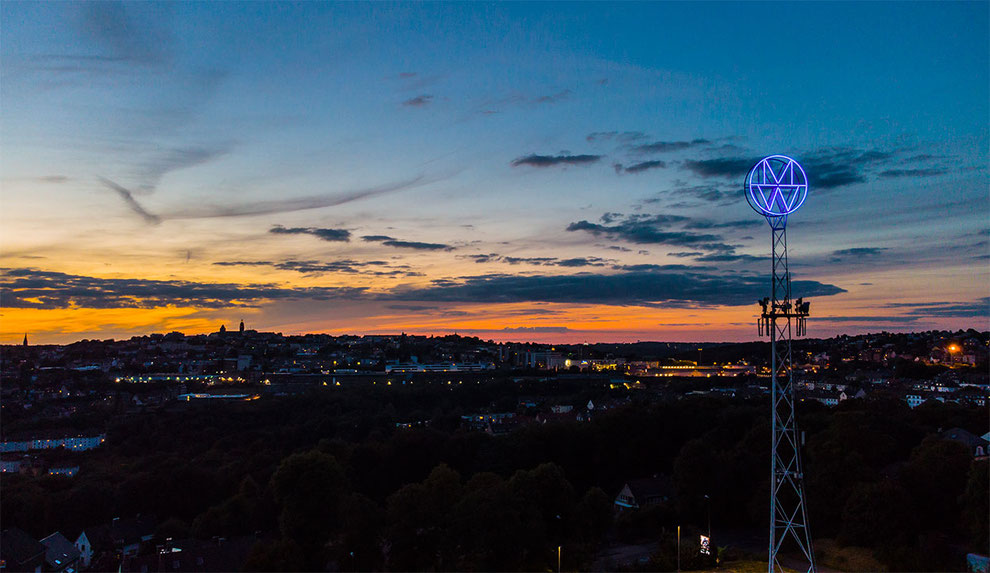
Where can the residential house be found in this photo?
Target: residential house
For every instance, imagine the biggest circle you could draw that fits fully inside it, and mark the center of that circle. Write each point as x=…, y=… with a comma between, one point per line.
x=976, y=445
x=218, y=554
x=644, y=492
x=20, y=552
x=93, y=541
x=128, y=534
x=60, y=553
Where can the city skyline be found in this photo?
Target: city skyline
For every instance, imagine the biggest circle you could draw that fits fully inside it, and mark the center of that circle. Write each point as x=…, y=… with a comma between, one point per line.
x=554, y=173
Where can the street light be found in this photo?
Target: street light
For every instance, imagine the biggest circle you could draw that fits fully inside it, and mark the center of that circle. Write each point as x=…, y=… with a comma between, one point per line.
x=708, y=504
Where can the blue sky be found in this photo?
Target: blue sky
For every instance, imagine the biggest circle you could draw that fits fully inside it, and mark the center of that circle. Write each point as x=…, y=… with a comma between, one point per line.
x=571, y=170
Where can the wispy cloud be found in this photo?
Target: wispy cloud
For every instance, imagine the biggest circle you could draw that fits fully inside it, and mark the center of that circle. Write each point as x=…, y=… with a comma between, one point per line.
x=553, y=98
x=554, y=160
x=869, y=319
x=109, y=25
x=332, y=235
x=638, y=288
x=347, y=266
x=542, y=261
x=419, y=101
x=827, y=168
x=640, y=167
x=131, y=203
x=669, y=146
x=399, y=244
x=655, y=230
x=151, y=171
x=858, y=252
x=33, y=288
x=536, y=329
x=721, y=167
x=980, y=308
x=266, y=207
x=620, y=136
x=925, y=172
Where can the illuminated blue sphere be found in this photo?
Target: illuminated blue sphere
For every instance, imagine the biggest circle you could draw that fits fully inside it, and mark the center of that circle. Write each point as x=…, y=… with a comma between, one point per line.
x=776, y=186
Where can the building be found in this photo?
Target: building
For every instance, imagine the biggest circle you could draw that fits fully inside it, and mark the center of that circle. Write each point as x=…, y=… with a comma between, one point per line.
x=77, y=444
x=644, y=492
x=976, y=445
x=20, y=552
x=93, y=541
x=60, y=553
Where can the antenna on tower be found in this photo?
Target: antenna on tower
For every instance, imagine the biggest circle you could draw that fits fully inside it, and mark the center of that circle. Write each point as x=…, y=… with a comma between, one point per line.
x=775, y=187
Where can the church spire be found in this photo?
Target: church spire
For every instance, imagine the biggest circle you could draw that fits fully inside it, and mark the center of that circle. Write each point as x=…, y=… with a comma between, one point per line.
x=25, y=339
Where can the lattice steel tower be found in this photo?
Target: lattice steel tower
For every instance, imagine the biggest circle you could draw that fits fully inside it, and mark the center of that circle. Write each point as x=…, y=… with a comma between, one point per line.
x=775, y=188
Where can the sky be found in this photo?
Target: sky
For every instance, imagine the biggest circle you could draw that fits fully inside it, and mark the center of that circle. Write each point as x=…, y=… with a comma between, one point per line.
x=516, y=171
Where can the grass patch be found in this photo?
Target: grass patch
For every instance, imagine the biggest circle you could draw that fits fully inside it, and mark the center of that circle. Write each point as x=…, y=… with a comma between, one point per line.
x=848, y=558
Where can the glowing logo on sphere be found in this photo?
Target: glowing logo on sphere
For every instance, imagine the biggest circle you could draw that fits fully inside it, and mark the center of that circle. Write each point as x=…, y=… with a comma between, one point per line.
x=776, y=186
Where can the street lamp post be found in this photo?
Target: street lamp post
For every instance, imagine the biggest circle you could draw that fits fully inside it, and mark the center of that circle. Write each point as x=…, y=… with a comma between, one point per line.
x=708, y=504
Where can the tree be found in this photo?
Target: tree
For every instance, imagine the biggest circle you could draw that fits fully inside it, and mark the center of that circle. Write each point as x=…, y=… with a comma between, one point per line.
x=486, y=526
x=976, y=505
x=308, y=488
x=420, y=516
x=878, y=515
x=935, y=476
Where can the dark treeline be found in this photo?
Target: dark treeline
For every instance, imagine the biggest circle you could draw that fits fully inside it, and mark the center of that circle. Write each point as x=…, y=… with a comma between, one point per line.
x=326, y=480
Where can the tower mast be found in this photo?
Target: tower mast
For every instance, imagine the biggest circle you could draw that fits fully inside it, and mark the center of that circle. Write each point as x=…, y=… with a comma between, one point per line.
x=776, y=187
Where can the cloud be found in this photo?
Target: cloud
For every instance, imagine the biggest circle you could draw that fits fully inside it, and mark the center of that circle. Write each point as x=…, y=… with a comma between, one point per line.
x=669, y=146
x=38, y=289
x=267, y=207
x=108, y=24
x=622, y=137
x=349, y=266
x=627, y=289
x=827, y=168
x=868, y=319
x=553, y=98
x=165, y=161
x=53, y=179
x=333, y=235
x=131, y=203
x=710, y=192
x=392, y=242
x=859, y=252
x=534, y=329
x=113, y=41
x=411, y=307
x=640, y=167
x=978, y=309
x=656, y=268
x=926, y=172
x=728, y=258
x=582, y=262
x=542, y=261
x=721, y=167
x=419, y=101
x=554, y=160
x=648, y=231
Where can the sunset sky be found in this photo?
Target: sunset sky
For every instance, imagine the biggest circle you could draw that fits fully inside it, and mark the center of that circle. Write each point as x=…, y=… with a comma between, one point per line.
x=549, y=172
